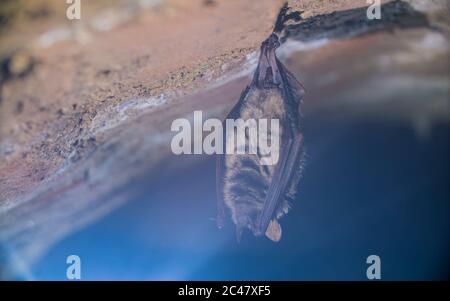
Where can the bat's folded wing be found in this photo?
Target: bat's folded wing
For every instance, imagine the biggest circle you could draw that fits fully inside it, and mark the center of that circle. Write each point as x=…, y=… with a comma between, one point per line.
x=289, y=160
x=295, y=87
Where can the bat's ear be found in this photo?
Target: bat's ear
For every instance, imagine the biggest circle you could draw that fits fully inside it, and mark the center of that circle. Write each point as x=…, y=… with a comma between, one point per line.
x=273, y=231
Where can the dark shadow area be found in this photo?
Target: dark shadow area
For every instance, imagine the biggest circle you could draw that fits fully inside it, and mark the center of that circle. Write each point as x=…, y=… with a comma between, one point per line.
x=354, y=22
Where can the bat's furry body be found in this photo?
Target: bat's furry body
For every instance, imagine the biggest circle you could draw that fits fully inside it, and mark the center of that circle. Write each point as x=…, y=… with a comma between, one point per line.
x=257, y=195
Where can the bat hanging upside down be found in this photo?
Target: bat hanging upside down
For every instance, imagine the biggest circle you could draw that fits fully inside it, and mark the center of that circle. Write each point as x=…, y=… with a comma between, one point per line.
x=257, y=195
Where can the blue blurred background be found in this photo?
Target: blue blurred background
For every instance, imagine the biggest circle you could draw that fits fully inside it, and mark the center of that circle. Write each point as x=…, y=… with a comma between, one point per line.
x=368, y=188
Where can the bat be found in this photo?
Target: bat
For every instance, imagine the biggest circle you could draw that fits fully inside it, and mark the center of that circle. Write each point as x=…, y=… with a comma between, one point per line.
x=255, y=195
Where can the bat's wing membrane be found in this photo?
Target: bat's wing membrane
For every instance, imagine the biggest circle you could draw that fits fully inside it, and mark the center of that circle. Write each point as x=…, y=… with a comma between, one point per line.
x=296, y=88
x=290, y=156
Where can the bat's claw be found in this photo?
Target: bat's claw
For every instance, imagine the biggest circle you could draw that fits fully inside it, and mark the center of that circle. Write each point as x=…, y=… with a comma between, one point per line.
x=271, y=43
x=268, y=73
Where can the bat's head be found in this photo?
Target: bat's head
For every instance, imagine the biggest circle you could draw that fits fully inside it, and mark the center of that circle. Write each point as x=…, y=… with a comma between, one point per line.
x=273, y=231
x=247, y=220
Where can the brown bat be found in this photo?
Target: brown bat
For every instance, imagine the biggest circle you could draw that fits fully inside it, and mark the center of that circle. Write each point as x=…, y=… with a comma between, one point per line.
x=257, y=195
